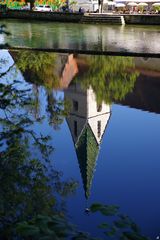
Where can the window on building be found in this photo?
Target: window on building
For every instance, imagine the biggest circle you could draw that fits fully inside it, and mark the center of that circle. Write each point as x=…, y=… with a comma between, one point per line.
x=99, y=129
x=75, y=105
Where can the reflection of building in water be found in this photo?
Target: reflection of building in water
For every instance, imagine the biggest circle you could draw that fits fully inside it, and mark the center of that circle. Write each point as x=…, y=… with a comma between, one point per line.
x=61, y=67
x=87, y=123
x=148, y=66
x=67, y=69
x=145, y=95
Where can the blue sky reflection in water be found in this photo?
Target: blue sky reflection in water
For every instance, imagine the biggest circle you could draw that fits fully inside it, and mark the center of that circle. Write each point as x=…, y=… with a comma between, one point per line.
x=122, y=128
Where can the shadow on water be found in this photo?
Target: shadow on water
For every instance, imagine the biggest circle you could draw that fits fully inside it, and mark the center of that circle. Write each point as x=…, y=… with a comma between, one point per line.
x=33, y=193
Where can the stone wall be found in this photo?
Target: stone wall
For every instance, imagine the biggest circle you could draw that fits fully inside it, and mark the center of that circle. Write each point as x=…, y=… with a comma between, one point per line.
x=142, y=19
x=79, y=17
x=50, y=16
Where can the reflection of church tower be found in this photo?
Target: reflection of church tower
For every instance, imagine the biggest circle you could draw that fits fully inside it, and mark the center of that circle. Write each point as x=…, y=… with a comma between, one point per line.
x=87, y=123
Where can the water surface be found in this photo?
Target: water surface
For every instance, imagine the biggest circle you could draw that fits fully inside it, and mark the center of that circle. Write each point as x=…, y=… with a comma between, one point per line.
x=101, y=38
x=103, y=116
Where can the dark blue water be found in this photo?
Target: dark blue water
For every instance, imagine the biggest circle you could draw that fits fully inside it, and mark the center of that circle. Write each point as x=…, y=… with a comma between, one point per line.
x=125, y=168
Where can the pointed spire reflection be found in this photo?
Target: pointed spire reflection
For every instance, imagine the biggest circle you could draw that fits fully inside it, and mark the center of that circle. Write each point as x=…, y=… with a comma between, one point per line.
x=87, y=123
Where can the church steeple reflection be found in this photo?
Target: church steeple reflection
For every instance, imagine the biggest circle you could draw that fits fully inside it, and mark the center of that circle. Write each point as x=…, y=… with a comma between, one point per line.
x=87, y=122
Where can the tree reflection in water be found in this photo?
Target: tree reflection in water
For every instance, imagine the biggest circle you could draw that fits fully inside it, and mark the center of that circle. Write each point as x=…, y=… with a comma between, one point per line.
x=40, y=68
x=28, y=194
x=26, y=187
x=110, y=77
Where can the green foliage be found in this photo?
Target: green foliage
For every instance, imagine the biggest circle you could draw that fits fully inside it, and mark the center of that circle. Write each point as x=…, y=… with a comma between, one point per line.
x=57, y=109
x=45, y=227
x=49, y=228
x=15, y=119
x=15, y=4
x=110, y=77
x=121, y=225
x=104, y=209
x=39, y=69
x=40, y=66
x=56, y=4
x=133, y=236
x=27, y=189
x=156, y=8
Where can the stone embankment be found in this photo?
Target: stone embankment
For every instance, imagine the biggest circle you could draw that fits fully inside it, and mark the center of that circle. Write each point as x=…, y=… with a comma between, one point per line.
x=35, y=15
x=63, y=17
x=93, y=18
x=144, y=19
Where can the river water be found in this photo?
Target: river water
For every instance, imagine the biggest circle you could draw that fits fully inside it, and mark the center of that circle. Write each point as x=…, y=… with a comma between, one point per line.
x=115, y=38
x=103, y=116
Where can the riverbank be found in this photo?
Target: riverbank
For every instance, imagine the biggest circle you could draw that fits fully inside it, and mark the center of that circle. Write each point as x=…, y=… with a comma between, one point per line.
x=144, y=19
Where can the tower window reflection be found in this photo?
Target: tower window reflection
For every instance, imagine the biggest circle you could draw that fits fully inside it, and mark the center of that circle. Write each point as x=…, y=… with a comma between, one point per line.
x=99, y=107
x=99, y=129
x=75, y=128
x=75, y=105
